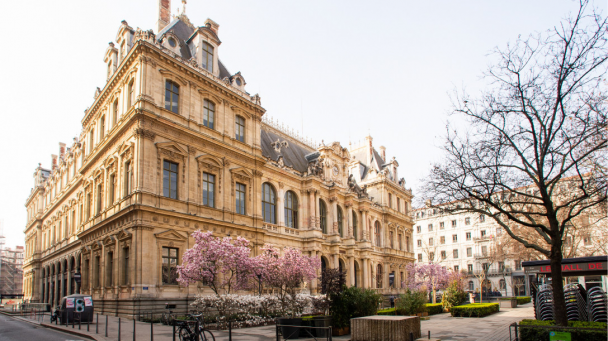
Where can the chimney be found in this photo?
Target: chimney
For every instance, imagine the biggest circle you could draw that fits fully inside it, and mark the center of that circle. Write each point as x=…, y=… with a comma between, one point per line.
x=61, y=150
x=164, y=14
x=212, y=25
x=370, y=149
x=54, y=157
x=383, y=153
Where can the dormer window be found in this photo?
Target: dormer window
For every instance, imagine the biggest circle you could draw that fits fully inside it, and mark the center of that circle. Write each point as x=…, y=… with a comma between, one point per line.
x=207, y=56
x=172, y=42
x=238, y=82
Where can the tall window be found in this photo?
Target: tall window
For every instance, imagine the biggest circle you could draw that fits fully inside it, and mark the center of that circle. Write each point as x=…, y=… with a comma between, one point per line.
x=390, y=200
x=97, y=271
x=400, y=238
x=430, y=227
x=269, y=204
x=291, y=210
x=323, y=215
x=377, y=233
x=208, y=189
x=453, y=223
x=115, y=112
x=91, y=140
x=469, y=252
x=98, y=210
x=444, y=255
x=240, y=198
x=130, y=94
x=482, y=218
x=109, y=268
x=170, y=179
x=442, y=240
x=468, y=235
x=340, y=222
x=467, y=221
x=355, y=225
x=207, y=56
x=128, y=176
x=398, y=204
x=125, y=266
x=441, y=225
x=455, y=253
x=102, y=127
x=431, y=241
x=171, y=96
x=240, y=129
x=454, y=238
x=111, y=184
x=390, y=238
x=170, y=255
x=208, y=113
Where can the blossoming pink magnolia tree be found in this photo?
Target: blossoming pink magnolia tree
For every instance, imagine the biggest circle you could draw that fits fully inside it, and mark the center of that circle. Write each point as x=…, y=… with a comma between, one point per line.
x=430, y=276
x=285, y=273
x=222, y=263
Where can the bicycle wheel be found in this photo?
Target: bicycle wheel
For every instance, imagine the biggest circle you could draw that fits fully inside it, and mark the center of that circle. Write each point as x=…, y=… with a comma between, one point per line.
x=185, y=335
x=207, y=336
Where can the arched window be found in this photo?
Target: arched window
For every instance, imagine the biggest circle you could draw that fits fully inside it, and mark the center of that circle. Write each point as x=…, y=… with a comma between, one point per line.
x=208, y=114
x=377, y=233
x=239, y=128
x=355, y=225
x=340, y=224
x=291, y=210
x=323, y=215
x=269, y=204
x=171, y=96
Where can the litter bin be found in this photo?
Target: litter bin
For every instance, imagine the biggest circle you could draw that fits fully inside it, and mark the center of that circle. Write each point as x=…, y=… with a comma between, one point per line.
x=75, y=306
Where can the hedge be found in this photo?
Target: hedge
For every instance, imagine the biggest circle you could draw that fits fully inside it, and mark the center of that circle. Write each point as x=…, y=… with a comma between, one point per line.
x=523, y=299
x=475, y=310
x=533, y=334
x=389, y=311
x=433, y=309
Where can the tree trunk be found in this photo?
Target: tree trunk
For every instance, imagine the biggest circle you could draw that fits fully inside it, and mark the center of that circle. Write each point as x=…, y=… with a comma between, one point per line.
x=559, y=302
x=434, y=296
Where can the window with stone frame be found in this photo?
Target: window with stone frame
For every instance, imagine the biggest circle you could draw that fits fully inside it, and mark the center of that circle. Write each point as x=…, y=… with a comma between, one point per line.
x=208, y=114
x=390, y=239
x=419, y=242
x=208, y=189
x=442, y=240
x=430, y=227
x=291, y=210
x=444, y=255
x=269, y=204
x=455, y=253
x=454, y=238
x=323, y=216
x=169, y=264
x=128, y=178
x=239, y=129
x=102, y=127
x=419, y=229
x=125, y=265
x=170, y=174
x=340, y=222
x=377, y=234
x=431, y=241
x=111, y=189
x=98, y=199
x=469, y=252
x=172, y=96
x=130, y=94
x=390, y=200
x=441, y=225
x=453, y=224
x=400, y=238
x=420, y=257
x=115, y=111
x=355, y=232
x=109, y=269
x=240, y=194
x=468, y=235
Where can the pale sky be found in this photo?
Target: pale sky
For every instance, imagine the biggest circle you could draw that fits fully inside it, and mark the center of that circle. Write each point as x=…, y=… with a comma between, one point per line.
x=345, y=69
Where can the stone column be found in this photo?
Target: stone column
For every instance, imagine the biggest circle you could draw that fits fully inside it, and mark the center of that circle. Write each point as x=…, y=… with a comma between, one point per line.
x=311, y=209
x=349, y=219
x=280, y=206
x=387, y=270
x=366, y=274
x=313, y=283
x=334, y=216
x=364, y=233
x=351, y=270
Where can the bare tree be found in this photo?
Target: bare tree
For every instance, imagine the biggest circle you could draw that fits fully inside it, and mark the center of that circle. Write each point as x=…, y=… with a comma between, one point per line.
x=531, y=157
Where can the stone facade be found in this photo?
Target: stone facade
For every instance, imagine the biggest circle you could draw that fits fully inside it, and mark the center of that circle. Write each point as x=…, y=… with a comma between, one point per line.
x=173, y=143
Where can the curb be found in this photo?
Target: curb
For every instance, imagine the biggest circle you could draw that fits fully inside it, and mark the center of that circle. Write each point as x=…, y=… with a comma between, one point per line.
x=54, y=327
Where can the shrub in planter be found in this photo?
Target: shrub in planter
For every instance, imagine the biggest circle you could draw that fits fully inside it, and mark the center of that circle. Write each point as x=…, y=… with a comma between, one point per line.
x=533, y=334
x=353, y=302
x=453, y=295
x=411, y=303
x=475, y=310
x=434, y=308
x=523, y=299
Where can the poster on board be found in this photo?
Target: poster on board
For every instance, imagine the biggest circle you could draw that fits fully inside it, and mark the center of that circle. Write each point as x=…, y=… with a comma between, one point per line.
x=69, y=303
x=88, y=302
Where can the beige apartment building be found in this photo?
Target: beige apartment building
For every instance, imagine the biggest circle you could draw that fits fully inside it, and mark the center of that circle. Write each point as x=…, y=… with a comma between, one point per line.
x=174, y=143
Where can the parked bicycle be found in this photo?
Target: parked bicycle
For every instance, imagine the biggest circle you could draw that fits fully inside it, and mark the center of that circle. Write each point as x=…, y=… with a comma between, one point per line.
x=188, y=329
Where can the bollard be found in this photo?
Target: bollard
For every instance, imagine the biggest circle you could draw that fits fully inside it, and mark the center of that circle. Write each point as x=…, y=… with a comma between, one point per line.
x=119, y=329
x=411, y=336
x=97, y=325
x=429, y=334
x=73, y=322
x=133, y=328
x=88, y=324
x=151, y=331
x=173, y=330
x=106, y=325
x=229, y=330
x=79, y=320
x=330, y=332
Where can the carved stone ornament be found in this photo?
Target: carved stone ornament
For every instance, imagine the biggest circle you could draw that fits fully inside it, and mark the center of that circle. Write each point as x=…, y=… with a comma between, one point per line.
x=140, y=132
x=277, y=145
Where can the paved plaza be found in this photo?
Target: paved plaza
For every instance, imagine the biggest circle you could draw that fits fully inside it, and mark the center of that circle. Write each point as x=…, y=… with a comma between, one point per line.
x=442, y=326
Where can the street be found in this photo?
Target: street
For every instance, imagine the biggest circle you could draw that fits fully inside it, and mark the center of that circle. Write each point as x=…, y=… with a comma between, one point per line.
x=12, y=329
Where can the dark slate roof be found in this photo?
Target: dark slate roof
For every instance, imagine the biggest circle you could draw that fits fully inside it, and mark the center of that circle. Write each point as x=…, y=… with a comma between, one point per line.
x=294, y=155
x=182, y=31
x=223, y=71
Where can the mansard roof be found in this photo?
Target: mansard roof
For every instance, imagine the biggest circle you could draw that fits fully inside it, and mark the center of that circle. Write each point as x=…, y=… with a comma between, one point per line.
x=377, y=163
x=184, y=32
x=294, y=153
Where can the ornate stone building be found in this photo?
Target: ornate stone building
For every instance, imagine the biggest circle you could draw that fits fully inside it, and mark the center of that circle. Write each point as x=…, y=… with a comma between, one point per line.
x=174, y=143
